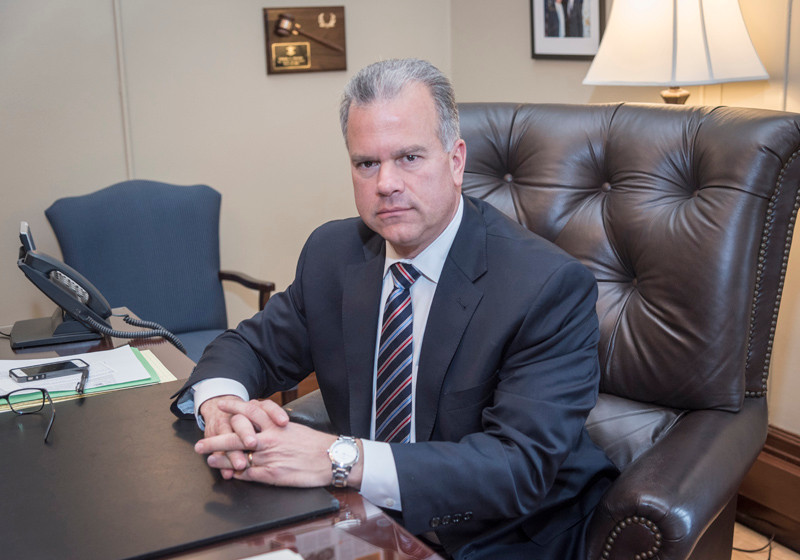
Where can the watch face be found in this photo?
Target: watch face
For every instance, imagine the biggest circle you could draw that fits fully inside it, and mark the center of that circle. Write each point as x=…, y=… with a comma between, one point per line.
x=344, y=453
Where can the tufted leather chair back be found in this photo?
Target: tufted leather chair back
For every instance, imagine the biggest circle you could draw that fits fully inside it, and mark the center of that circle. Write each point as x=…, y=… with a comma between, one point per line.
x=685, y=216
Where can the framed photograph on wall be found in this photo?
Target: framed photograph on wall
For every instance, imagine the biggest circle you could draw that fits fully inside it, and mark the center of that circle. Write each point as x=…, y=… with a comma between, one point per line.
x=566, y=28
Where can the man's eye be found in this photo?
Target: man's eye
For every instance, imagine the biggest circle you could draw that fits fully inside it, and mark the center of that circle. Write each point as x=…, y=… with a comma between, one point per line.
x=411, y=157
x=367, y=164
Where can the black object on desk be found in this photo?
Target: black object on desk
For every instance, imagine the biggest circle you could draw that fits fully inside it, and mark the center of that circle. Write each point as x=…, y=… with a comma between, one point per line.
x=120, y=479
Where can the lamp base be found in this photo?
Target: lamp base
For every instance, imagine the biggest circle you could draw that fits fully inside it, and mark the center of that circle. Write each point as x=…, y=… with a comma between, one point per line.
x=675, y=95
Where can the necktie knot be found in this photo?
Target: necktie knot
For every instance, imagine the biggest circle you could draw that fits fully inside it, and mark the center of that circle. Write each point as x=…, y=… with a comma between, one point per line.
x=404, y=275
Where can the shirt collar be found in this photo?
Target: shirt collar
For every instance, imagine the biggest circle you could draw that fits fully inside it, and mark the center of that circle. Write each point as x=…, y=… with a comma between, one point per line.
x=431, y=260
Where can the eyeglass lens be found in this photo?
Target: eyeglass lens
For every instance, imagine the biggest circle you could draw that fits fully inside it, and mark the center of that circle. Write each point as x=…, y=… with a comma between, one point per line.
x=31, y=401
x=26, y=401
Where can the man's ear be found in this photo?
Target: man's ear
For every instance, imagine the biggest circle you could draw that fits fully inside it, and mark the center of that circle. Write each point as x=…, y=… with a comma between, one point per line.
x=458, y=161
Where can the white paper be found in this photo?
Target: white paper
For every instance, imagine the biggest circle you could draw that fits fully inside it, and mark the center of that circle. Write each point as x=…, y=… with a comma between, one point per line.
x=108, y=367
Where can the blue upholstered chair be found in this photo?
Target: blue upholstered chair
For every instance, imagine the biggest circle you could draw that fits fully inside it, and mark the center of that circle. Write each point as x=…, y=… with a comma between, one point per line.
x=153, y=248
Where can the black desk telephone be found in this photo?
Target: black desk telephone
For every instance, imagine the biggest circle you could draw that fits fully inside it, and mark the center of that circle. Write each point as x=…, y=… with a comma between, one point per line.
x=82, y=312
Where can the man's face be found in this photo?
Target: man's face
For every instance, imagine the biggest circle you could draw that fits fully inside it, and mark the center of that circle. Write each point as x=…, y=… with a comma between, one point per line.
x=406, y=185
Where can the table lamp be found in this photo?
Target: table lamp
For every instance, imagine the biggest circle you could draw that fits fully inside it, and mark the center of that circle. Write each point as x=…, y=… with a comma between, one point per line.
x=675, y=43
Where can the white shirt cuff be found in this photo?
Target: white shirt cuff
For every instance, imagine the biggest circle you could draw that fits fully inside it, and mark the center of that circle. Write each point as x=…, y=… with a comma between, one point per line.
x=379, y=482
x=201, y=391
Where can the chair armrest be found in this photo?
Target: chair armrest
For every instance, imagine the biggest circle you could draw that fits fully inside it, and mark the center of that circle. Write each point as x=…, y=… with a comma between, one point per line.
x=264, y=287
x=309, y=410
x=663, y=502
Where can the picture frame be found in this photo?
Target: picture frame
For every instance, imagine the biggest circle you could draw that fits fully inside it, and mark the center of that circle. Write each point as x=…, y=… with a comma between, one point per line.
x=307, y=39
x=566, y=29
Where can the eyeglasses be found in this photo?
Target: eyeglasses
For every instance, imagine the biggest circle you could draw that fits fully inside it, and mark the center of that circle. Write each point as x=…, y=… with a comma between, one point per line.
x=31, y=401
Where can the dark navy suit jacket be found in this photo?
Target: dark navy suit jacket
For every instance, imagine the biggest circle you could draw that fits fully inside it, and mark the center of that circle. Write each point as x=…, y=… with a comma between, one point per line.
x=508, y=372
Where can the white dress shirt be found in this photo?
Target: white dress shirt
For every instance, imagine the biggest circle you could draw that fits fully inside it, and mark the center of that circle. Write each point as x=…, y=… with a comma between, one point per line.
x=379, y=483
x=562, y=19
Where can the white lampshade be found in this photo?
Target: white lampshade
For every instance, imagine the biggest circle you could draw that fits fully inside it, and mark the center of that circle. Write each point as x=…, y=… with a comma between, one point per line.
x=675, y=43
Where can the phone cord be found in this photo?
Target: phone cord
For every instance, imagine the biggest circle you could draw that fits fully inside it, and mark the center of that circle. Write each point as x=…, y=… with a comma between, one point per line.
x=156, y=330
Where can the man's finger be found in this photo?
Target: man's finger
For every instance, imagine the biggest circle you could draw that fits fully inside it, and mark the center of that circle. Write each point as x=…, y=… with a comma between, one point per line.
x=244, y=428
x=221, y=442
x=230, y=463
x=250, y=410
x=261, y=413
x=275, y=412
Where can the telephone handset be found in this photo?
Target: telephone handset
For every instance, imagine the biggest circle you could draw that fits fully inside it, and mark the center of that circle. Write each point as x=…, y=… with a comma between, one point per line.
x=61, y=283
x=83, y=311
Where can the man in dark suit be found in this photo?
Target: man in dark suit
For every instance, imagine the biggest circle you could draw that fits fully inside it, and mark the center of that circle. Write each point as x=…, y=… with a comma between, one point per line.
x=563, y=18
x=461, y=401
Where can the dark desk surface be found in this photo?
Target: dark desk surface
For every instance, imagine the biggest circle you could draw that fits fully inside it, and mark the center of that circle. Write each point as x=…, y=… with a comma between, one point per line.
x=358, y=530
x=119, y=478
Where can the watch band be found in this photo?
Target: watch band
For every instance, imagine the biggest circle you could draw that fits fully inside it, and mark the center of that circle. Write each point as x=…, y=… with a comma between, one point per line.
x=340, y=475
x=340, y=472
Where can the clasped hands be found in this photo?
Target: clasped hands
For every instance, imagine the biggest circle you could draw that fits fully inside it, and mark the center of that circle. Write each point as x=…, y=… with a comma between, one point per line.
x=255, y=441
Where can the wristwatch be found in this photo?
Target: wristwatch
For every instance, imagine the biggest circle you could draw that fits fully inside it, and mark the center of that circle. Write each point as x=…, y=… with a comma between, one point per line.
x=343, y=454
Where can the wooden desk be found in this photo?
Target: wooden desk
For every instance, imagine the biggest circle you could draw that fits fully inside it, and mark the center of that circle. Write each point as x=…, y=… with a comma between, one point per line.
x=358, y=531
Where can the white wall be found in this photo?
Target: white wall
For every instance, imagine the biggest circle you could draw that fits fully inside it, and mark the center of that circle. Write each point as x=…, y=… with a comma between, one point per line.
x=201, y=109
x=492, y=60
x=61, y=128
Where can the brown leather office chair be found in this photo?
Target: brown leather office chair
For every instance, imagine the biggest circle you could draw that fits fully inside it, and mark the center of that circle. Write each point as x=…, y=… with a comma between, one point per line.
x=685, y=215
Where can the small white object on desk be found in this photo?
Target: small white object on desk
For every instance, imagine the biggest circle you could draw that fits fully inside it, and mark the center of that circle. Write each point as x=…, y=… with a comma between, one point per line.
x=277, y=555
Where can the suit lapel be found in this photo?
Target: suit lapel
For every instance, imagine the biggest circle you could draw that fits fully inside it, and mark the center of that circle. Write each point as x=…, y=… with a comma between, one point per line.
x=453, y=305
x=360, y=306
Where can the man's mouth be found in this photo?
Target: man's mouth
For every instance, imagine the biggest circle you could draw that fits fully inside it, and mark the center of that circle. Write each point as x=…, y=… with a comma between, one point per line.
x=389, y=212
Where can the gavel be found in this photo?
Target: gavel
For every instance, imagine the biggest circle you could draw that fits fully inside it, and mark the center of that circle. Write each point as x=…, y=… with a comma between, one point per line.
x=286, y=26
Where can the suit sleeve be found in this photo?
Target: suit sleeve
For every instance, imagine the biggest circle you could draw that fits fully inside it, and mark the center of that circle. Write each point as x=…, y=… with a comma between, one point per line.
x=545, y=385
x=266, y=353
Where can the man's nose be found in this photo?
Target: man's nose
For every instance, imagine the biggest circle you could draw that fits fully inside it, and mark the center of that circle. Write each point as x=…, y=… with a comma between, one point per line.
x=389, y=180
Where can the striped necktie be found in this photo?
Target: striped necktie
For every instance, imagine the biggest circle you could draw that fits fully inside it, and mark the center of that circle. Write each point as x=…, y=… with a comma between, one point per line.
x=393, y=395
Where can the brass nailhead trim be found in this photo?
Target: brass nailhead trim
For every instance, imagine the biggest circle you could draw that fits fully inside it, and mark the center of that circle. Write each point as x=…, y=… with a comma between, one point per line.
x=769, y=221
x=631, y=520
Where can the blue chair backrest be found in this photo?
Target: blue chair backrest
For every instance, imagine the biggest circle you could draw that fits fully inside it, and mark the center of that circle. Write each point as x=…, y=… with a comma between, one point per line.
x=151, y=247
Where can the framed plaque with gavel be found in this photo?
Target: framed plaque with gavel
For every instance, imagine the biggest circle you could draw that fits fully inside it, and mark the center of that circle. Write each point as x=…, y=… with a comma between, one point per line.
x=305, y=39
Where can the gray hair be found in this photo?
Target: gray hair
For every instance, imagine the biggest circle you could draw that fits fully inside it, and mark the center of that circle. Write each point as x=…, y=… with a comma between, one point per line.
x=385, y=80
